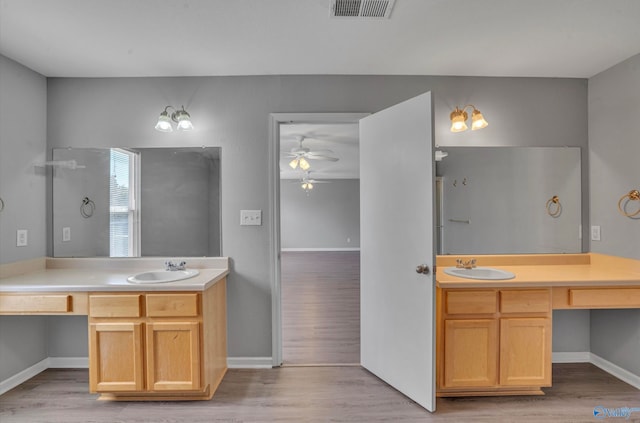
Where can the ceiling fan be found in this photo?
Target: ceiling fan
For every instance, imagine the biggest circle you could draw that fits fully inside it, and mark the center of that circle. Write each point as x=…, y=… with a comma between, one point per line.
x=300, y=156
x=307, y=182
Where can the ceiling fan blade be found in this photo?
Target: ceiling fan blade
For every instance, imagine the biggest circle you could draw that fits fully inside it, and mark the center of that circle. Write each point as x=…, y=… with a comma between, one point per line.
x=325, y=158
x=321, y=152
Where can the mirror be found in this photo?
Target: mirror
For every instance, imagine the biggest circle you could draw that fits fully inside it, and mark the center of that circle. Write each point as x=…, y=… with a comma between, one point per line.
x=500, y=200
x=133, y=202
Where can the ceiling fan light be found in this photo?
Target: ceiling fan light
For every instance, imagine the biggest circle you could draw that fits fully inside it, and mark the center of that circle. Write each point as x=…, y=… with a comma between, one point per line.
x=458, y=118
x=307, y=186
x=477, y=120
x=304, y=164
x=293, y=163
x=164, y=123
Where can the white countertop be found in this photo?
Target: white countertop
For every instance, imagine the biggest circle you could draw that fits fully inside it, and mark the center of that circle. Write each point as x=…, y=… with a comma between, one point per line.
x=97, y=278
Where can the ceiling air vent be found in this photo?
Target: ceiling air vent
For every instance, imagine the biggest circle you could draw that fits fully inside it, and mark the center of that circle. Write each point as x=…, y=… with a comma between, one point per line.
x=370, y=9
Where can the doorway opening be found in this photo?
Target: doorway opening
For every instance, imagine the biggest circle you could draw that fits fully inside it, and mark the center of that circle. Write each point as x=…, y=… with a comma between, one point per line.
x=316, y=258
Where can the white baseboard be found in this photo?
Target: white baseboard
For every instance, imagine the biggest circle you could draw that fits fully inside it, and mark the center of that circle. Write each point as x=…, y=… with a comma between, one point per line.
x=68, y=362
x=615, y=370
x=19, y=378
x=571, y=357
x=249, y=362
x=301, y=250
x=266, y=363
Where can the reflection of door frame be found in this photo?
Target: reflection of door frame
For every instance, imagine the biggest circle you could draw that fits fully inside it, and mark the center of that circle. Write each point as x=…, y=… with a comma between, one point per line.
x=275, y=119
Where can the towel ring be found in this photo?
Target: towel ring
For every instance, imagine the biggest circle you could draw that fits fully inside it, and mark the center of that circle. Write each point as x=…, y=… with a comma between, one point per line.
x=557, y=210
x=1, y=204
x=633, y=195
x=87, y=207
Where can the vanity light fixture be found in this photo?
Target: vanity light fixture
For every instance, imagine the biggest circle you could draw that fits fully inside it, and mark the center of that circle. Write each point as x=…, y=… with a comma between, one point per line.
x=459, y=116
x=180, y=117
x=307, y=186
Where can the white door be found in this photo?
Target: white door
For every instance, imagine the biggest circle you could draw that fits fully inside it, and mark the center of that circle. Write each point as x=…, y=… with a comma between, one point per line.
x=396, y=236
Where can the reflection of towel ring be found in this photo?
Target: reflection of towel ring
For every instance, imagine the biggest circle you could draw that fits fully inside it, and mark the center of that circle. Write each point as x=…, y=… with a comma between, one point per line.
x=87, y=207
x=558, y=208
x=1, y=204
x=633, y=195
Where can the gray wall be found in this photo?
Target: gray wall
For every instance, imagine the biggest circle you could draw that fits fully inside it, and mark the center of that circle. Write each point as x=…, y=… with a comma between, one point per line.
x=23, y=102
x=326, y=217
x=232, y=112
x=614, y=149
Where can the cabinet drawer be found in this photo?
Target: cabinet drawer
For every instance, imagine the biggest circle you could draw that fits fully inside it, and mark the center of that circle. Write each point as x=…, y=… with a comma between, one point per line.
x=115, y=305
x=172, y=305
x=36, y=303
x=525, y=301
x=605, y=297
x=471, y=302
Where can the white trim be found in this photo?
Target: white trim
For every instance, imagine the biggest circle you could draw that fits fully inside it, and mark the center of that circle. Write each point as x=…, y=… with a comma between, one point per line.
x=68, y=362
x=275, y=119
x=19, y=378
x=571, y=357
x=249, y=362
x=615, y=370
x=318, y=249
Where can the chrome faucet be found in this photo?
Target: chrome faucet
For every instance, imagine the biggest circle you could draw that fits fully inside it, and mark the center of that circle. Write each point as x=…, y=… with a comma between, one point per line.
x=469, y=264
x=169, y=265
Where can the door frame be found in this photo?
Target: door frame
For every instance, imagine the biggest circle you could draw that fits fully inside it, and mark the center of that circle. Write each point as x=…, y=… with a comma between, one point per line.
x=275, y=119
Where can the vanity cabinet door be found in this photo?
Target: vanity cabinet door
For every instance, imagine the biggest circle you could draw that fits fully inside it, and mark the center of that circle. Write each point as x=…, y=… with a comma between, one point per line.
x=173, y=356
x=115, y=357
x=471, y=348
x=525, y=352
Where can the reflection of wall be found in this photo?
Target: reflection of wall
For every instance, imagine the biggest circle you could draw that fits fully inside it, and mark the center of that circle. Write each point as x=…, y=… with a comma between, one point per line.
x=322, y=219
x=23, y=125
x=175, y=197
x=89, y=236
x=502, y=193
x=614, y=148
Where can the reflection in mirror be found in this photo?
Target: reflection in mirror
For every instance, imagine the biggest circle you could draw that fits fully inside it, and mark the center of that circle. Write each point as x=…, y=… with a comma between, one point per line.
x=131, y=202
x=498, y=200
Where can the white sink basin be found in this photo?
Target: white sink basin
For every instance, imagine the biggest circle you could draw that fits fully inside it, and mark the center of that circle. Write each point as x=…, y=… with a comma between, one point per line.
x=162, y=276
x=487, y=273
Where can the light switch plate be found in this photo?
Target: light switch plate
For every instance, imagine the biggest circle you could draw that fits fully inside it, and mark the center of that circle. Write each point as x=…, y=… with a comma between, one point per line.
x=595, y=233
x=66, y=234
x=21, y=238
x=250, y=217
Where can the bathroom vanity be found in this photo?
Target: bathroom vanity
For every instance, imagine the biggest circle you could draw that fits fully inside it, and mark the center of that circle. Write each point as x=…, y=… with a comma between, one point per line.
x=493, y=337
x=159, y=341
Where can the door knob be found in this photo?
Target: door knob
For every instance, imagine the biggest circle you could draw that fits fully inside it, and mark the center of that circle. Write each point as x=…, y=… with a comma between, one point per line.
x=423, y=268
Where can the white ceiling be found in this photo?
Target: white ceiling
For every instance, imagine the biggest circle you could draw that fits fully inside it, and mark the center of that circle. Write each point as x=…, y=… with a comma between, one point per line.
x=117, y=38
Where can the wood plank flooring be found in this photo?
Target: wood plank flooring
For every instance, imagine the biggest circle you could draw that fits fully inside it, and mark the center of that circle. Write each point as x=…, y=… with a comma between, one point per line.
x=316, y=394
x=320, y=307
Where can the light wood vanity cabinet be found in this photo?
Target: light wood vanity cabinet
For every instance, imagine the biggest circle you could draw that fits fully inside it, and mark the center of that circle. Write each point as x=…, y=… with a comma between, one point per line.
x=493, y=341
x=169, y=345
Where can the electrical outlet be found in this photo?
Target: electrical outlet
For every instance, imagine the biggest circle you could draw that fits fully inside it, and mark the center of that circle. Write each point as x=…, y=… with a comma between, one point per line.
x=250, y=217
x=21, y=238
x=595, y=233
x=66, y=234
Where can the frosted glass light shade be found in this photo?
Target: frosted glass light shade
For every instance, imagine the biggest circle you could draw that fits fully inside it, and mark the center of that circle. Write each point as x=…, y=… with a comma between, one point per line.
x=458, y=118
x=164, y=123
x=477, y=120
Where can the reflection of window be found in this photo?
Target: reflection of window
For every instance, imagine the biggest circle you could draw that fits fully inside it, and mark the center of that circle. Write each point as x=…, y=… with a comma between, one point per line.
x=123, y=213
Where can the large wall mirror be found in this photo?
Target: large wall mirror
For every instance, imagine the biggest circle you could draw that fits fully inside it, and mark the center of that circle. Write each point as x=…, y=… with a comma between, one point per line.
x=136, y=202
x=508, y=200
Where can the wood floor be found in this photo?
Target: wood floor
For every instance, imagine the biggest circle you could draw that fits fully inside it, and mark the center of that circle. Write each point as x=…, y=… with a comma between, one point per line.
x=316, y=394
x=320, y=307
